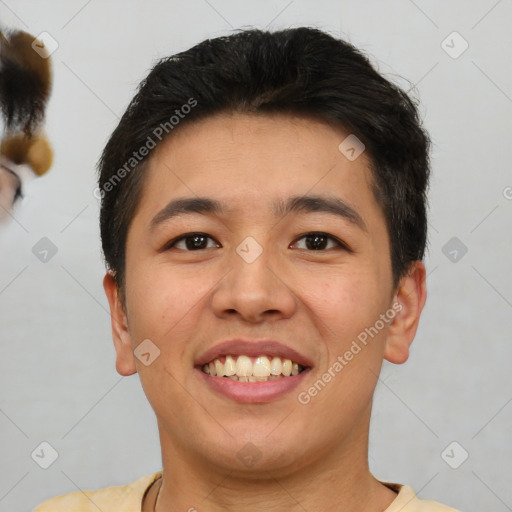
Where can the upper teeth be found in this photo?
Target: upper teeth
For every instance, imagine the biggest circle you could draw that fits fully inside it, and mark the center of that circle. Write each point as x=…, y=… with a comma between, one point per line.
x=243, y=366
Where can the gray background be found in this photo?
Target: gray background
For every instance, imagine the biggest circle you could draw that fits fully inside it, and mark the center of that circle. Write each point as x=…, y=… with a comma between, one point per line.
x=58, y=378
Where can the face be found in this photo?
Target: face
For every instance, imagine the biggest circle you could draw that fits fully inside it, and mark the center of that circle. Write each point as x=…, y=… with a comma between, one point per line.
x=302, y=283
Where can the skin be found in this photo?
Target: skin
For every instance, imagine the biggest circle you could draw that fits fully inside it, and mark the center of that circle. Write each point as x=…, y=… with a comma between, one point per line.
x=311, y=457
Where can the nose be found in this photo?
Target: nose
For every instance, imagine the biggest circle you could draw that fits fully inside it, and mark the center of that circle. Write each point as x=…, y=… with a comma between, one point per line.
x=255, y=290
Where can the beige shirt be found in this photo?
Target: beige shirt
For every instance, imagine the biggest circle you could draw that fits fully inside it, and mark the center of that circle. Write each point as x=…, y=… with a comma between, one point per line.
x=128, y=498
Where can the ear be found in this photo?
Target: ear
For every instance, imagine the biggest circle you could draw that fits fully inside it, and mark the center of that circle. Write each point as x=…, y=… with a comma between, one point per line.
x=125, y=362
x=408, y=301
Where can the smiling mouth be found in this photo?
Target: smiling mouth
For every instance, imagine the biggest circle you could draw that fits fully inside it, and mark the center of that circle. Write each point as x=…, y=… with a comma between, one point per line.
x=243, y=368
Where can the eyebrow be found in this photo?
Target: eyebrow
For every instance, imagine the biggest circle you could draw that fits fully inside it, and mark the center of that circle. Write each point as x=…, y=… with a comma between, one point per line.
x=299, y=204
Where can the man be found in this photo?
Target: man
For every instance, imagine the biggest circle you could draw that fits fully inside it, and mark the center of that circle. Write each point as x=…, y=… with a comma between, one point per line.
x=263, y=222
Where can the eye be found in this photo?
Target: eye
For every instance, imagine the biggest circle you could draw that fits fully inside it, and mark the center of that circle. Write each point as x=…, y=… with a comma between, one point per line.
x=316, y=241
x=193, y=242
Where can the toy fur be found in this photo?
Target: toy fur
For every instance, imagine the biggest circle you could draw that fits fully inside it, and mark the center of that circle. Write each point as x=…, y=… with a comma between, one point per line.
x=25, y=85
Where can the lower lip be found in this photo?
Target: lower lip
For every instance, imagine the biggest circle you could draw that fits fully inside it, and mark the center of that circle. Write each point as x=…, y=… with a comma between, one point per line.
x=253, y=392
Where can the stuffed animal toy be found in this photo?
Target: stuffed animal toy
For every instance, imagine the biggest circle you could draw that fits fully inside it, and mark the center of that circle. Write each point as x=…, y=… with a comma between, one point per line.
x=25, y=85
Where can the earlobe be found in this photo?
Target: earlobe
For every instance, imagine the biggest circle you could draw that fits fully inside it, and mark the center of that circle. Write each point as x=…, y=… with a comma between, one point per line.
x=408, y=302
x=125, y=361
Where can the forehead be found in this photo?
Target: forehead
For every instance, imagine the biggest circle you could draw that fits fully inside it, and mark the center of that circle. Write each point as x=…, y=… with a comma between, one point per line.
x=250, y=163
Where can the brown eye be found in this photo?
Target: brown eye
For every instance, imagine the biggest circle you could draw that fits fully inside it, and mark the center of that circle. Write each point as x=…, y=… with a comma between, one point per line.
x=190, y=242
x=317, y=241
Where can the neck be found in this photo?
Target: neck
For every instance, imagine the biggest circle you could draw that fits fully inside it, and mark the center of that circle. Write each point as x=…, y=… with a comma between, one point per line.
x=340, y=476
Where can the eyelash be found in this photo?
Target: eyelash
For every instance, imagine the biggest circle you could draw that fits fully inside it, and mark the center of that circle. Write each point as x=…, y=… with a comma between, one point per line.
x=339, y=243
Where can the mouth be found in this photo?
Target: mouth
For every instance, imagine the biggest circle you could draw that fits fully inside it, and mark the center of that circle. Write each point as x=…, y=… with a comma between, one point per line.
x=244, y=368
x=252, y=371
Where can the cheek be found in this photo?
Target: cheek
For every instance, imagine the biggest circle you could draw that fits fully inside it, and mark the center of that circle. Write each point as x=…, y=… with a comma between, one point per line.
x=345, y=300
x=163, y=304
x=349, y=308
x=152, y=300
